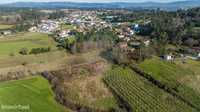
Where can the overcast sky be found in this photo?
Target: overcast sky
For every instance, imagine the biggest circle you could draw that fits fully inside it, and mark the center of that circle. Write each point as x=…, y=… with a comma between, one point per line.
x=9, y=1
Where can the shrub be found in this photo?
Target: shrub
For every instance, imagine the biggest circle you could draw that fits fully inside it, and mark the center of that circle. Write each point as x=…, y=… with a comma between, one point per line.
x=40, y=50
x=12, y=54
x=23, y=51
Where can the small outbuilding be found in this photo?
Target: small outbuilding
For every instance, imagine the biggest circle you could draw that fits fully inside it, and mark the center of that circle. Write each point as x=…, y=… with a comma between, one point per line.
x=167, y=57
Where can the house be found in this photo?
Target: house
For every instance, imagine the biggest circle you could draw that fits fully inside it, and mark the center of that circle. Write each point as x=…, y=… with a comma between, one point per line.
x=168, y=57
x=6, y=32
x=64, y=33
x=125, y=48
x=48, y=26
x=136, y=28
x=147, y=42
x=121, y=36
x=198, y=55
x=33, y=29
x=123, y=45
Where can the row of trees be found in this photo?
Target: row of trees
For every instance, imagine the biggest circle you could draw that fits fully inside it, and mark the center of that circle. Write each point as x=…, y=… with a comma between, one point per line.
x=25, y=51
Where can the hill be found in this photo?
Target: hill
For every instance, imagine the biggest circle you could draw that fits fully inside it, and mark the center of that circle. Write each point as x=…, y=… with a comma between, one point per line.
x=112, y=5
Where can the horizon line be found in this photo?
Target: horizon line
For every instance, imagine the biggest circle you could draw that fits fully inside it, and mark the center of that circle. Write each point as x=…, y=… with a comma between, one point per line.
x=93, y=2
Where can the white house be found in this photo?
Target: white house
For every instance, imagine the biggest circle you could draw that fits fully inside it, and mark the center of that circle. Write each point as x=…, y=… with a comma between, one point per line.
x=64, y=33
x=198, y=55
x=6, y=32
x=121, y=36
x=33, y=29
x=168, y=57
x=147, y=42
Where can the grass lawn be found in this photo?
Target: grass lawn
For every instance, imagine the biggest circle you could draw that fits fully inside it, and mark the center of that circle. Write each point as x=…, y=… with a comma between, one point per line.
x=2, y=27
x=35, y=93
x=13, y=44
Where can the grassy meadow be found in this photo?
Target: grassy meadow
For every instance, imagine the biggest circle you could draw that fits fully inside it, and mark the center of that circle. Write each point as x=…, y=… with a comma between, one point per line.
x=14, y=43
x=194, y=80
x=43, y=58
x=34, y=92
x=167, y=72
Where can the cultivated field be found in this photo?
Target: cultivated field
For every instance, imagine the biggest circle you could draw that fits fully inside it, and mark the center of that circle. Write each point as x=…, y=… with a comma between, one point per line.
x=34, y=93
x=2, y=27
x=43, y=58
x=139, y=95
x=176, y=77
x=11, y=45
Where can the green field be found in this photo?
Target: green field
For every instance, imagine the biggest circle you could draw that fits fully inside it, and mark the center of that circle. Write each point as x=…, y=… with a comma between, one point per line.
x=174, y=76
x=140, y=95
x=13, y=44
x=34, y=94
x=2, y=27
x=194, y=80
x=167, y=72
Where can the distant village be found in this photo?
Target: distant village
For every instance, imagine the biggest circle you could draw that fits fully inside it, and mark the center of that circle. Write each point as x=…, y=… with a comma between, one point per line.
x=83, y=21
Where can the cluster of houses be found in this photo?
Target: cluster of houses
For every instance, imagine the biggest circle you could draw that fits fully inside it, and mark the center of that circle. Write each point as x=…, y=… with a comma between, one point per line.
x=5, y=33
x=86, y=20
x=46, y=26
x=129, y=40
x=83, y=20
x=191, y=53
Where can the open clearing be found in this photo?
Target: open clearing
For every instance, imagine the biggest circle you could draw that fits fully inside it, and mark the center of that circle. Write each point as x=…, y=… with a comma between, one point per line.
x=14, y=43
x=35, y=93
